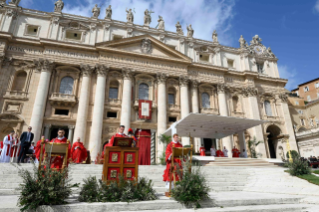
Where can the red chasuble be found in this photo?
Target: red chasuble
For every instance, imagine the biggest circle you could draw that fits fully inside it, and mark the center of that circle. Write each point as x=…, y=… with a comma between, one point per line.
x=219, y=153
x=37, y=150
x=112, y=141
x=168, y=162
x=78, y=152
x=202, y=151
x=15, y=149
x=57, y=161
x=235, y=152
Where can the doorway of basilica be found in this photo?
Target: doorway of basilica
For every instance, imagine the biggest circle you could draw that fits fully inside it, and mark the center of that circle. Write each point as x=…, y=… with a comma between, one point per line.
x=273, y=132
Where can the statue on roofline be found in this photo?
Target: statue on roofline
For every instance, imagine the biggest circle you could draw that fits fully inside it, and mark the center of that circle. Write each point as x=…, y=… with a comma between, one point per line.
x=161, y=23
x=179, y=29
x=58, y=6
x=215, y=37
x=190, y=31
x=147, y=17
x=96, y=11
x=108, y=12
x=129, y=16
x=242, y=42
x=15, y=2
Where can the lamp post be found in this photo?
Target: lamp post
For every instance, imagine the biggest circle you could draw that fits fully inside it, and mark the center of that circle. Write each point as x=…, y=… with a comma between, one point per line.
x=288, y=148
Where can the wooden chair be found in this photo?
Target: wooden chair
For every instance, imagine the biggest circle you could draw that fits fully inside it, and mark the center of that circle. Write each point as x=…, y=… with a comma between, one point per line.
x=179, y=152
x=53, y=149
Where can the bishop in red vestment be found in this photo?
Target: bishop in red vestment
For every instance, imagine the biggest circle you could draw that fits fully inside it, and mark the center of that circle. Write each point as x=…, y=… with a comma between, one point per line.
x=168, y=155
x=79, y=153
x=57, y=161
x=220, y=153
x=15, y=148
x=235, y=152
x=119, y=134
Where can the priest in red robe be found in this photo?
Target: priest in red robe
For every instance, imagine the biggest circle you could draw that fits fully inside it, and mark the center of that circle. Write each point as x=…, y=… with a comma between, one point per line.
x=202, y=151
x=235, y=152
x=15, y=149
x=168, y=155
x=79, y=153
x=220, y=153
x=120, y=134
x=57, y=161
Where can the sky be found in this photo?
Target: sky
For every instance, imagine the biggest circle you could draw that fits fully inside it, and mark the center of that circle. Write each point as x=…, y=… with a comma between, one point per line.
x=289, y=27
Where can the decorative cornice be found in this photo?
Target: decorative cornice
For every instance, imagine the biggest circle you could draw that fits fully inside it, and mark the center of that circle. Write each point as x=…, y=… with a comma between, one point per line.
x=44, y=65
x=86, y=70
x=183, y=80
x=101, y=70
x=161, y=78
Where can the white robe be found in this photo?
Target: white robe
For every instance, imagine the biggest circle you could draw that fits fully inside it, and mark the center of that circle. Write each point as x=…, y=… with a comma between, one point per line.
x=244, y=155
x=225, y=151
x=4, y=158
x=212, y=151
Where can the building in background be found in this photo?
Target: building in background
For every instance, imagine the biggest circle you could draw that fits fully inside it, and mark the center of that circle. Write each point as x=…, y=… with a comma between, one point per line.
x=304, y=111
x=89, y=75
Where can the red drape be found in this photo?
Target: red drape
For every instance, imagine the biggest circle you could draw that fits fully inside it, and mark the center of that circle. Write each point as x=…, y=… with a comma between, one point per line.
x=144, y=143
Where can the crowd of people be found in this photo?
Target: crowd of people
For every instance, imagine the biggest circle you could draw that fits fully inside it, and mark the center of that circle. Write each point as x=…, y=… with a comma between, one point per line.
x=312, y=161
x=21, y=149
x=224, y=152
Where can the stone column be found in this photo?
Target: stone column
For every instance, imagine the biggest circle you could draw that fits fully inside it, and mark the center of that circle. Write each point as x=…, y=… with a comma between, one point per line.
x=71, y=130
x=45, y=66
x=161, y=108
x=242, y=141
x=183, y=81
x=126, y=99
x=81, y=119
x=217, y=56
x=223, y=111
x=244, y=58
x=47, y=131
x=195, y=109
x=153, y=147
x=98, y=111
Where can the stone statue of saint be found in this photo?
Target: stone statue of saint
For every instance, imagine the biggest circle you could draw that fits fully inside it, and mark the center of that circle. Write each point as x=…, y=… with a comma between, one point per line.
x=179, y=29
x=15, y=2
x=161, y=23
x=58, y=6
x=129, y=16
x=242, y=42
x=270, y=53
x=190, y=31
x=96, y=11
x=108, y=13
x=215, y=37
x=147, y=18
x=256, y=40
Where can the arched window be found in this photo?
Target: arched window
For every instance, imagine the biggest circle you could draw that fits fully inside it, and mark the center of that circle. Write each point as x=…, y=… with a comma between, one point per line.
x=205, y=100
x=19, y=81
x=235, y=103
x=114, y=90
x=268, y=108
x=171, y=96
x=66, y=86
x=143, y=91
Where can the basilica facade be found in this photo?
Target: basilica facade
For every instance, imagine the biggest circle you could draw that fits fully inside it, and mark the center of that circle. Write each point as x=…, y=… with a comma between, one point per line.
x=91, y=74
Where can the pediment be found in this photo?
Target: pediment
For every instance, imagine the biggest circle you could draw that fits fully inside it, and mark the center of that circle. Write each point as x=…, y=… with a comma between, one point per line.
x=144, y=45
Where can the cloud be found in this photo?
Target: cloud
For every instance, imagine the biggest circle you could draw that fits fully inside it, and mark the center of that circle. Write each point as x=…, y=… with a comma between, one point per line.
x=205, y=16
x=316, y=7
x=290, y=74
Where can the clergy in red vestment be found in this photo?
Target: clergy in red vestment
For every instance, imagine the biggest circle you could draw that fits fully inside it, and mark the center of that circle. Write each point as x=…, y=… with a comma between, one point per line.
x=1, y=146
x=131, y=135
x=219, y=153
x=78, y=152
x=202, y=151
x=57, y=161
x=120, y=134
x=168, y=155
x=15, y=149
x=235, y=152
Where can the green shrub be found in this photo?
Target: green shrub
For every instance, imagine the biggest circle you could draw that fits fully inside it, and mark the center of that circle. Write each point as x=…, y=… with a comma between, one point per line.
x=252, y=144
x=299, y=167
x=43, y=187
x=191, y=189
x=89, y=191
x=293, y=153
x=121, y=191
x=165, y=139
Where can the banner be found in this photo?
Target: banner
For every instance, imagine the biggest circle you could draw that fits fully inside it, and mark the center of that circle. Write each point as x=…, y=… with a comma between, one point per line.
x=145, y=109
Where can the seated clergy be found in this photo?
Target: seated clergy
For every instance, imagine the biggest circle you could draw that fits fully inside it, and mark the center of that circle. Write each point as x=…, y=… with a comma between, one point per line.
x=79, y=153
x=225, y=151
x=244, y=154
x=57, y=161
x=219, y=153
x=212, y=151
x=235, y=152
x=168, y=155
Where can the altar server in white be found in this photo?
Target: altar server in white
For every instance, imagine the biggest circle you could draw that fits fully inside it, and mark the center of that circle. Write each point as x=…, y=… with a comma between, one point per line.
x=8, y=141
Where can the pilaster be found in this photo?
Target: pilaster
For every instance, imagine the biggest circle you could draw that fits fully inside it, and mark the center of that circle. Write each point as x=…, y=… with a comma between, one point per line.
x=126, y=98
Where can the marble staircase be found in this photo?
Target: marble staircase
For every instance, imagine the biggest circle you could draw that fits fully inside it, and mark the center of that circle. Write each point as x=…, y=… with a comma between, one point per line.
x=246, y=162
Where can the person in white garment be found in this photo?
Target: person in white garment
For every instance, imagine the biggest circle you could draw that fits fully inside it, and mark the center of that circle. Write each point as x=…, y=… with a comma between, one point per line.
x=225, y=151
x=8, y=141
x=244, y=154
x=212, y=151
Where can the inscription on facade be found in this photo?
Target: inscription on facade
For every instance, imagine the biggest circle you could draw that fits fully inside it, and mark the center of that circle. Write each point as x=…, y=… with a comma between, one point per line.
x=26, y=50
x=71, y=54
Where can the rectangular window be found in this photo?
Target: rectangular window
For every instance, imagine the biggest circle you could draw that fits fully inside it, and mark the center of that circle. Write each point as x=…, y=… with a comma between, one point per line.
x=306, y=89
x=204, y=57
x=172, y=119
x=61, y=112
x=308, y=98
x=302, y=122
x=113, y=93
x=297, y=102
x=230, y=63
x=32, y=30
x=117, y=37
x=260, y=68
x=111, y=115
x=300, y=111
x=297, y=92
x=73, y=35
x=171, y=99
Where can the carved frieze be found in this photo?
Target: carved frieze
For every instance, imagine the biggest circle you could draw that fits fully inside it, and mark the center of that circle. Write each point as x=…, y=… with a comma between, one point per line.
x=146, y=46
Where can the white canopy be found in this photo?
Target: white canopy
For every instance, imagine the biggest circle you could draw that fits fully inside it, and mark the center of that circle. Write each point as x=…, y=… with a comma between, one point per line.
x=211, y=126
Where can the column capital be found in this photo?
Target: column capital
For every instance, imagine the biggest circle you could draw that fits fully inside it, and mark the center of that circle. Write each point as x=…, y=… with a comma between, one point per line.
x=127, y=73
x=47, y=125
x=195, y=84
x=102, y=70
x=250, y=91
x=216, y=50
x=86, y=69
x=71, y=127
x=161, y=78
x=44, y=65
x=221, y=88
x=183, y=80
